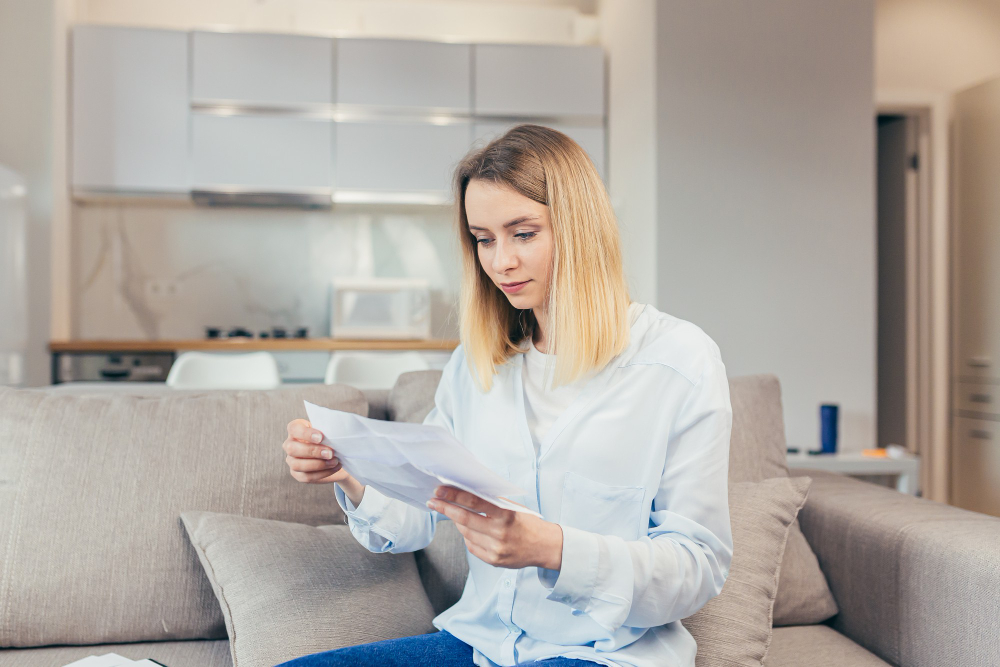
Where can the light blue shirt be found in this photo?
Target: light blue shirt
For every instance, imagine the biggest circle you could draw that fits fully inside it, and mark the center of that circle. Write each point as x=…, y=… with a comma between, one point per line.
x=635, y=472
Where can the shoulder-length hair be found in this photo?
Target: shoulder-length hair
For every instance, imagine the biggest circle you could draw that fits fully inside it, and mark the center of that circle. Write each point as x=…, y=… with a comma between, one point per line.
x=588, y=297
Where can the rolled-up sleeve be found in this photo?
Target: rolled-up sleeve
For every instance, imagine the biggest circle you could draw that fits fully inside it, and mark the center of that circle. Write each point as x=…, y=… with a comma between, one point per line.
x=683, y=560
x=384, y=524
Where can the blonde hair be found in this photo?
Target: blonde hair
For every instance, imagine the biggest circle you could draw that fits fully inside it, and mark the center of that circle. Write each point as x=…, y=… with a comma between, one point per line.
x=588, y=297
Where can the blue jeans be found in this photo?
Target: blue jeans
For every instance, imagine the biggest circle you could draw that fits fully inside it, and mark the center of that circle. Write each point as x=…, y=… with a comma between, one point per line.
x=441, y=649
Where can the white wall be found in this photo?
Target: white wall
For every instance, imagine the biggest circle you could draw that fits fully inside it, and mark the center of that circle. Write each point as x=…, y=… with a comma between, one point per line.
x=26, y=63
x=765, y=122
x=936, y=45
x=628, y=35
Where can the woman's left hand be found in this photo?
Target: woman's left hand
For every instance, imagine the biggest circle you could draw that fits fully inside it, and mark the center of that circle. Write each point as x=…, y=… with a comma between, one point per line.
x=503, y=537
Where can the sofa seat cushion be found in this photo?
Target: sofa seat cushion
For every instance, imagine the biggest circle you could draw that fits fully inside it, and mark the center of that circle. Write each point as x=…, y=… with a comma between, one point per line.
x=91, y=486
x=196, y=653
x=817, y=646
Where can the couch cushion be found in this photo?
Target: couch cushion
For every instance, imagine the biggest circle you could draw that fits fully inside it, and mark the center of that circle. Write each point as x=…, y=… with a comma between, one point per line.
x=734, y=627
x=91, y=549
x=756, y=452
x=289, y=590
x=817, y=646
x=197, y=653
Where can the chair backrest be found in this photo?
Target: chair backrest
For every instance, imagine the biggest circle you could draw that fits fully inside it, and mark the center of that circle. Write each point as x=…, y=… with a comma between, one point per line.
x=372, y=370
x=205, y=370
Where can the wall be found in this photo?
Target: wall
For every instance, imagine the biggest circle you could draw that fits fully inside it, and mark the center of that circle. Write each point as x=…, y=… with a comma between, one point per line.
x=766, y=232
x=936, y=45
x=26, y=65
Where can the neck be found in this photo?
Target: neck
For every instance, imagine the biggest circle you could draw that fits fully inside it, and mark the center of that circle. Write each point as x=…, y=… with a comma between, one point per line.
x=538, y=338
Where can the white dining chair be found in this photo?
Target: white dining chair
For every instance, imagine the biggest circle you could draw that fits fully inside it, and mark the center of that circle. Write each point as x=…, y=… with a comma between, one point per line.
x=372, y=370
x=205, y=370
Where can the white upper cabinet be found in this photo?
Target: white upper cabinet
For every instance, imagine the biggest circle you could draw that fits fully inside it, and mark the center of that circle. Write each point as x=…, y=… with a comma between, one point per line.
x=538, y=80
x=265, y=153
x=407, y=161
x=261, y=69
x=404, y=74
x=129, y=92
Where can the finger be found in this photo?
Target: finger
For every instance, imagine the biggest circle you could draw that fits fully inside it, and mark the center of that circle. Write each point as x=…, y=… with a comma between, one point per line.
x=303, y=431
x=460, y=515
x=309, y=465
x=303, y=451
x=466, y=499
x=312, y=476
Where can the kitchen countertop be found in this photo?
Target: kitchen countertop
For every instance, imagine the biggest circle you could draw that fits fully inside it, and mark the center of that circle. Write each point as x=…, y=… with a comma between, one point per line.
x=248, y=344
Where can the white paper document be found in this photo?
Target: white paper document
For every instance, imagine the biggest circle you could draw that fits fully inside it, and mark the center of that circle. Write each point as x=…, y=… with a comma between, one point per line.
x=407, y=461
x=109, y=660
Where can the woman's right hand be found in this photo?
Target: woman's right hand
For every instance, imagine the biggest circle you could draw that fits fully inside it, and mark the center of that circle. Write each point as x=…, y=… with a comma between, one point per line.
x=309, y=461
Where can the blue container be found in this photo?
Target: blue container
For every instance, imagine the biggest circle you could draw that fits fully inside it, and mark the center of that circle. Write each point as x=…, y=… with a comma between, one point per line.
x=828, y=414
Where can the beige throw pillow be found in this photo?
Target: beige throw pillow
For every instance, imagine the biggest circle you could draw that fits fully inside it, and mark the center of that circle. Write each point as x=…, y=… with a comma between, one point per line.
x=734, y=628
x=288, y=590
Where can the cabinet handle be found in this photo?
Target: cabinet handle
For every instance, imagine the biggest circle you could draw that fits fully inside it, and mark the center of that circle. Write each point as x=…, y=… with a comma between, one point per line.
x=978, y=362
x=980, y=434
x=981, y=398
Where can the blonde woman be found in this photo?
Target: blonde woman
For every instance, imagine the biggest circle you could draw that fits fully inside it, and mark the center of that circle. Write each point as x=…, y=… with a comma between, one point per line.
x=614, y=416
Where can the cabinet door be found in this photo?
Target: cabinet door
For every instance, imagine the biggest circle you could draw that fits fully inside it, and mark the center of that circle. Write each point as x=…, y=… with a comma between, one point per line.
x=975, y=470
x=539, y=80
x=129, y=109
x=248, y=68
x=268, y=153
x=590, y=138
x=398, y=159
x=404, y=74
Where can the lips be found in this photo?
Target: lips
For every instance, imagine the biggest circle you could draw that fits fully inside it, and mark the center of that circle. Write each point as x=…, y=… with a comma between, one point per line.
x=513, y=284
x=511, y=288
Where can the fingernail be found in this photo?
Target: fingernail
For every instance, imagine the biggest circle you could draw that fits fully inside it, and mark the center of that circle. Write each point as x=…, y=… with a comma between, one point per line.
x=327, y=454
x=431, y=504
x=439, y=492
x=316, y=437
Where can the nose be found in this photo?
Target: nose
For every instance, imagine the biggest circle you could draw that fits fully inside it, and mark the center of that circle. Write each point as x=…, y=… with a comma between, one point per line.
x=504, y=257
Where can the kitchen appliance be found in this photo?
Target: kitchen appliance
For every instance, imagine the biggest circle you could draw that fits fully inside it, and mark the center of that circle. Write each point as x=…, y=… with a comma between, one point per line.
x=389, y=308
x=13, y=277
x=213, y=332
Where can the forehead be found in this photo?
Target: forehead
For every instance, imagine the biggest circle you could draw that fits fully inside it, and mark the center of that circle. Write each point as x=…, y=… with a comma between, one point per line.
x=488, y=205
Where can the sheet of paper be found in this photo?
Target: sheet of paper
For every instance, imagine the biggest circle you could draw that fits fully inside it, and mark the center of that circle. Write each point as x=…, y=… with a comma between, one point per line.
x=105, y=660
x=406, y=461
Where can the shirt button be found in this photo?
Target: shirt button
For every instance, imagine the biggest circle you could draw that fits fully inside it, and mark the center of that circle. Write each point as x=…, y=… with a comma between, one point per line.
x=507, y=584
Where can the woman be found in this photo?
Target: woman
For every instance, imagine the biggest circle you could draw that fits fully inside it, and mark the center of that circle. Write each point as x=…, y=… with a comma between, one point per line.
x=614, y=416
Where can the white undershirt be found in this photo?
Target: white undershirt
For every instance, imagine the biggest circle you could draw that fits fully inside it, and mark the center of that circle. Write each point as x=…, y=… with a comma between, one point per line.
x=542, y=403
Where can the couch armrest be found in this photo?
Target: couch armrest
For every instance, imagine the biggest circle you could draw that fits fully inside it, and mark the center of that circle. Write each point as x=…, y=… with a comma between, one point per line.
x=917, y=582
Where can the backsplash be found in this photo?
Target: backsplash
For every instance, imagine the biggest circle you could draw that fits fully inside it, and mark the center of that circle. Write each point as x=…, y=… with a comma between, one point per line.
x=165, y=272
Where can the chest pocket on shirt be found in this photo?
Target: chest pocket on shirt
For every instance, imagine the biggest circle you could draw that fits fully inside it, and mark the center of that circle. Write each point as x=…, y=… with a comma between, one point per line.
x=600, y=508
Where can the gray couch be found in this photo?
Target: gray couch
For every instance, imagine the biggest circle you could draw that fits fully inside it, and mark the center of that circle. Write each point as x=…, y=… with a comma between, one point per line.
x=917, y=583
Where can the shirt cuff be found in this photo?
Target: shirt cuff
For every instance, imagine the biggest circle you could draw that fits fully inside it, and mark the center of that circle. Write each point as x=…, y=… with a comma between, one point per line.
x=372, y=507
x=578, y=571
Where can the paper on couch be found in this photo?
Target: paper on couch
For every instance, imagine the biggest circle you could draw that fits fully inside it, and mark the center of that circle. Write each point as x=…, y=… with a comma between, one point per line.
x=407, y=461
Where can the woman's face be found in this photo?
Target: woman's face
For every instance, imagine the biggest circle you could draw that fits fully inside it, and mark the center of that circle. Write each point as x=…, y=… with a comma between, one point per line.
x=513, y=240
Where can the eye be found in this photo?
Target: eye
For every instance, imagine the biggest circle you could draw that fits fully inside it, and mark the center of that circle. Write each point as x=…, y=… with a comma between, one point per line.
x=483, y=242
x=525, y=235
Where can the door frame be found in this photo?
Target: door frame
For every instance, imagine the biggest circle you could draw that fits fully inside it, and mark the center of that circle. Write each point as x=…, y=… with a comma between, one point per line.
x=929, y=287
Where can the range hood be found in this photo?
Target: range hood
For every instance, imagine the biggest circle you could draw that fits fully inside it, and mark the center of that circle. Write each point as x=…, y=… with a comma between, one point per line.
x=312, y=199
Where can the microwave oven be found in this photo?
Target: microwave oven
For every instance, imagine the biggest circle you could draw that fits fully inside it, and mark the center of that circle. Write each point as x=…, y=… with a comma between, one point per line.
x=384, y=308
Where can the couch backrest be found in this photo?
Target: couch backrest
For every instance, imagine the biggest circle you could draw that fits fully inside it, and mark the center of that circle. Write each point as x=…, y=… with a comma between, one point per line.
x=92, y=549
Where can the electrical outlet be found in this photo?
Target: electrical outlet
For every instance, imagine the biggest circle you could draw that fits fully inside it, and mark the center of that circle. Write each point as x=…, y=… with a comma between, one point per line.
x=162, y=289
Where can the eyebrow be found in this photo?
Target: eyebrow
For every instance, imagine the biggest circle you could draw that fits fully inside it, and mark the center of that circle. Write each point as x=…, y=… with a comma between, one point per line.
x=515, y=221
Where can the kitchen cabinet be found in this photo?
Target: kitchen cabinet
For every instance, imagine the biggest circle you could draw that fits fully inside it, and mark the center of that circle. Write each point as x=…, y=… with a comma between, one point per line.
x=538, y=80
x=129, y=95
x=402, y=75
x=976, y=465
x=590, y=138
x=399, y=161
x=264, y=153
x=261, y=69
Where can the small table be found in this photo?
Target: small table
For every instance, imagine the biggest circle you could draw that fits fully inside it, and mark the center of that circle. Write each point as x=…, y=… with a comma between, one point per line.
x=906, y=469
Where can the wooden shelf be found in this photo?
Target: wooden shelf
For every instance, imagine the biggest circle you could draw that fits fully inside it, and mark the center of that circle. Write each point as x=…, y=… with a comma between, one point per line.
x=248, y=344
